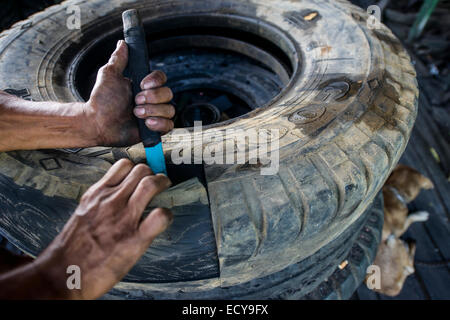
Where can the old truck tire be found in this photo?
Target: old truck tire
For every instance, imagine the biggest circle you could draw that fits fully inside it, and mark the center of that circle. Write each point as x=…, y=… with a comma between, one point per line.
x=334, y=272
x=345, y=112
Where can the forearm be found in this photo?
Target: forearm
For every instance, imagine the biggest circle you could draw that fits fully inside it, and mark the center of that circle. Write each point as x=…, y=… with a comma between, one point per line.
x=10, y=261
x=28, y=125
x=32, y=281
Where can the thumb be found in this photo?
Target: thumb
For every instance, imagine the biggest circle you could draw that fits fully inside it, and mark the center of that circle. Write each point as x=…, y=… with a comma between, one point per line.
x=119, y=58
x=156, y=222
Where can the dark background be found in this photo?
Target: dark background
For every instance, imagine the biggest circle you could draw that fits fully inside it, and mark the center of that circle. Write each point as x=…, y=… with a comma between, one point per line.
x=12, y=11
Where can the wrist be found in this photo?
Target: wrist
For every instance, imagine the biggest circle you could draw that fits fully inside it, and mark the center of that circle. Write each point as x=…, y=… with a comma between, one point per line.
x=86, y=126
x=29, y=125
x=6, y=97
x=52, y=272
x=91, y=129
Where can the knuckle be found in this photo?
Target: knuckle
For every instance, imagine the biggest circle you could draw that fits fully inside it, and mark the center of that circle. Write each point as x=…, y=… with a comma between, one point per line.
x=103, y=69
x=163, y=94
x=150, y=184
x=95, y=197
x=164, y=212
x=155, y=95
x=141, y=94
x=120, y=54
x=163, y=180
x=149, y=95
x=107, y=68
x=171, y=111
x=116, y=194
x=124, y=163
x=166, y=125
x=94, y=189
x=87, y=195
x=169, y=93
x=109, y=203
x=143, y=168
x=149, y=110
x=160, y=76
x=112, y=205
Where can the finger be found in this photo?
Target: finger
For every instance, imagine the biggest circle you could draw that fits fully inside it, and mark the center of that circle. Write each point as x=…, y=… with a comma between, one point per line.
x=154, y=80
x=132, y=180
x=119, y=58
x=155, y=110
x=159, y=124
x=147, y=188
x=156, y=222
x=117, y=172
x=154, y=96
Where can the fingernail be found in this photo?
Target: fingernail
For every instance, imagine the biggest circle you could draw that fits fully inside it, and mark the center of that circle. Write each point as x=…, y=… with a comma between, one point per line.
x=139, y=111
x=161, y=220
x=140, y=99
x=164, y=175
x=151, y=122
x=168, y=215
x=148, y=85
x=118, y=43
x=170, y=219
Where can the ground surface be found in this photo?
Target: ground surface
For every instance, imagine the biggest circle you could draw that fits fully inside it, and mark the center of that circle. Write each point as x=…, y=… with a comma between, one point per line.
x=428, y=151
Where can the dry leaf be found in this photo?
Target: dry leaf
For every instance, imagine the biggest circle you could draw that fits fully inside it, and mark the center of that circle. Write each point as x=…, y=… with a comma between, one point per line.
x=310, y=16
x=435, y=155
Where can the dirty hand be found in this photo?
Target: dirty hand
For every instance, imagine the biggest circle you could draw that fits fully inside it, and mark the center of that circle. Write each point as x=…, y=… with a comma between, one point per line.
x=108, y=108
x=105, y=236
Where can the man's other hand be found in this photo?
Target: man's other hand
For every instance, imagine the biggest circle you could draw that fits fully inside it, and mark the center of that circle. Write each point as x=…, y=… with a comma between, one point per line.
x=109, y=109
x=106, y=235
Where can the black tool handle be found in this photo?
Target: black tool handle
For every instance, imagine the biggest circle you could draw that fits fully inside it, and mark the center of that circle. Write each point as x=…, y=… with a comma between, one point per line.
x=138, y=66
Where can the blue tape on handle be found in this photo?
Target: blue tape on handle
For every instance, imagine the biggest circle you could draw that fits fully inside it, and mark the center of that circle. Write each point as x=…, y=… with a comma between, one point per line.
x=155, y=159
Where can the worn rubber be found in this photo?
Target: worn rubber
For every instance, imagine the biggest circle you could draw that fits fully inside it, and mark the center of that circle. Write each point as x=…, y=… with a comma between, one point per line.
x=317, y=277
x=344, y=118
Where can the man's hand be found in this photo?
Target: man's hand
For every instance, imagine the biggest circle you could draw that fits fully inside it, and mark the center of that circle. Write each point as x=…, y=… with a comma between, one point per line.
x=106, y=119
x=108, y=108
x=105, y=237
